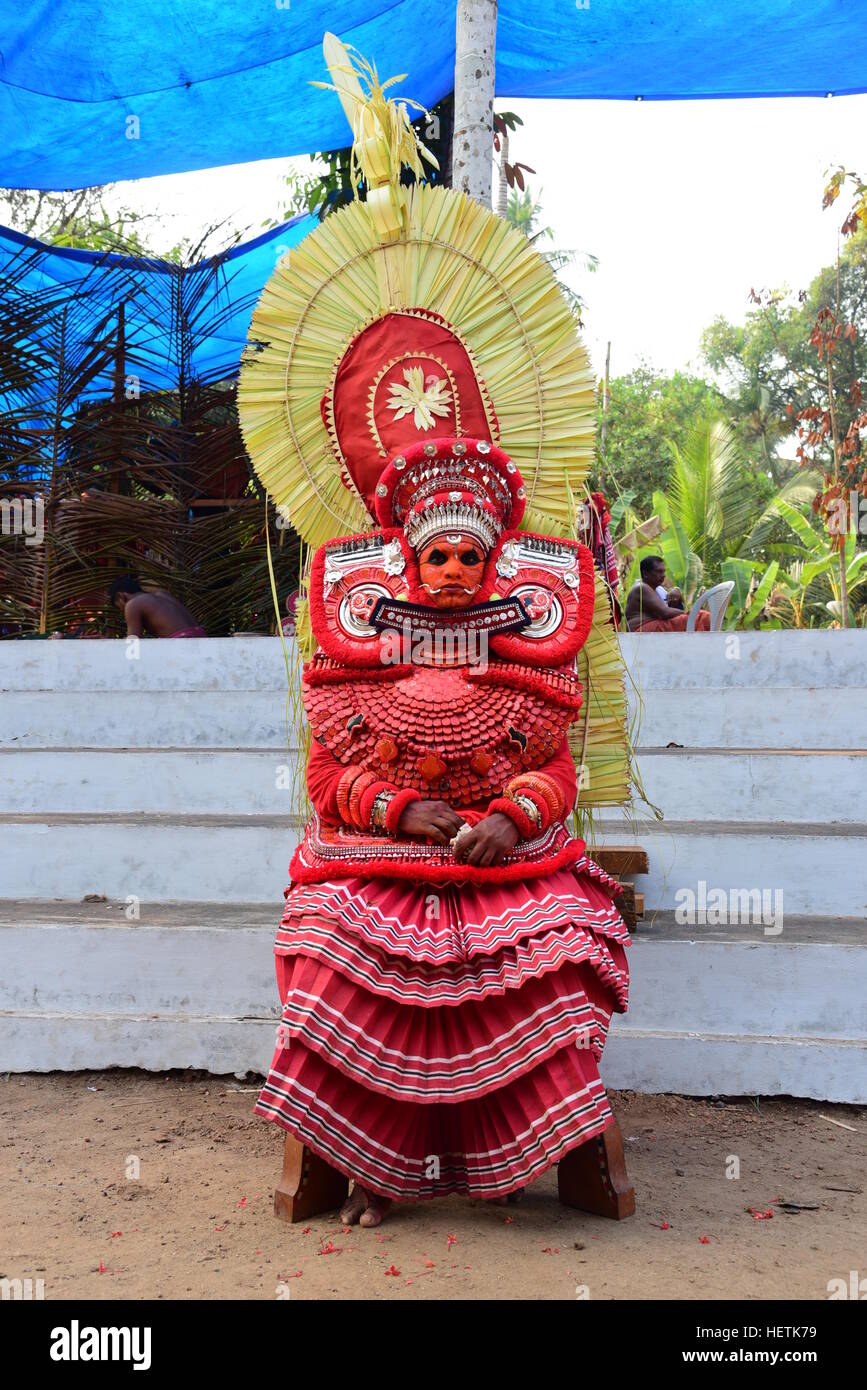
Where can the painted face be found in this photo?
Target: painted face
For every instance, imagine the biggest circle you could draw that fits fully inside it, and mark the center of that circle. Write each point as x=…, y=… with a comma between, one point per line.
x=450, y=569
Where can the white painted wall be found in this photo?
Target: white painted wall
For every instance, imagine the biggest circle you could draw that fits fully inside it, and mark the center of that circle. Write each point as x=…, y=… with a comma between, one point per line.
x=153, y=772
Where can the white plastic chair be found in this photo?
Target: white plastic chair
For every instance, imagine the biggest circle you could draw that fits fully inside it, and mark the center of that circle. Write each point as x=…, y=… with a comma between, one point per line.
x=717, y=601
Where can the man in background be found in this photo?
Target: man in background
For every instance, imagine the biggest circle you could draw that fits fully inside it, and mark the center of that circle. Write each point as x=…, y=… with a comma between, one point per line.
x=652, y=608
x=156, y=612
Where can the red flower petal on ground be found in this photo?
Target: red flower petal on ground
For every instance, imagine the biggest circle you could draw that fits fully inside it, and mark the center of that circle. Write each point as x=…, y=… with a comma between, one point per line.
x=114, y=1234
x=661, y=1225
x=760, y=1215
x=330, y=1249
x=452, y=1240
x=242, y=1203
x=101, y=1267
x=704, y=1240
x=393, y=1271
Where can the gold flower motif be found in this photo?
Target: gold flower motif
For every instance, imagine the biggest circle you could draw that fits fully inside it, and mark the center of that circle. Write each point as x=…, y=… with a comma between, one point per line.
x=425, y=399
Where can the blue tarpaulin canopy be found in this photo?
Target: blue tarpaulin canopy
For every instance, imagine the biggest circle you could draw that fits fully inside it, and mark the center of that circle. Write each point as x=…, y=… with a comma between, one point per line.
x=151, y=295
x=92, y=91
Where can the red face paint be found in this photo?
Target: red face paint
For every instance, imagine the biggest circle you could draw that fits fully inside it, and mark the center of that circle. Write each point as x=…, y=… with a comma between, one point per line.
x=450, y=568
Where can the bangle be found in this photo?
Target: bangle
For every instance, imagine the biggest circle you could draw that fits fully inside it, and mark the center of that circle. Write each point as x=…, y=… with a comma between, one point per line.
x=530, y=806
x=369, y=798
x=379, y=809
x=359, y=786
x=544, y=786
x=397, y=806
x=344, y=787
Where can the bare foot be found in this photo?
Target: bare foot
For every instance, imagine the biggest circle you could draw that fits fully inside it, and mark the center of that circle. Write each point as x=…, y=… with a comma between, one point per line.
x=364, y=1208
x=354, y=1205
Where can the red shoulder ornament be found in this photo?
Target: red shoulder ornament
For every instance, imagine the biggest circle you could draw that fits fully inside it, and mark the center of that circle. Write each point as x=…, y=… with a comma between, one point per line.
x=347, y=578
x=554, y=580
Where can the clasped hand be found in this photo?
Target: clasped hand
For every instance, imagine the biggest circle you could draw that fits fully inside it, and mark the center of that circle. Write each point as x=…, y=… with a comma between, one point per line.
x=484, y=846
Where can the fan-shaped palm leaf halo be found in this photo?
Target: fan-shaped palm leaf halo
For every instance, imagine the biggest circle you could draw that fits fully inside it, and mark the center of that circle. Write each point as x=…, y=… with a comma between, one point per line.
x=444, y=253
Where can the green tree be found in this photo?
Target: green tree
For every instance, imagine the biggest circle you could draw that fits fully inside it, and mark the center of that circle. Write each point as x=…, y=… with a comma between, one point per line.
x=769, y=368
x=77, y=218
x=523, y=212
x=647, y=409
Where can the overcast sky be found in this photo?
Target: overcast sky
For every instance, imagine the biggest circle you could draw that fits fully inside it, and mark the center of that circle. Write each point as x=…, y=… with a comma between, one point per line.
x=686, y=204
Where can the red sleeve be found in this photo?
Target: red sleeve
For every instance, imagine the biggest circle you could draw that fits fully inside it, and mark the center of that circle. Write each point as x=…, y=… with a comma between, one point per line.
x=561, y=769
x=323, y=774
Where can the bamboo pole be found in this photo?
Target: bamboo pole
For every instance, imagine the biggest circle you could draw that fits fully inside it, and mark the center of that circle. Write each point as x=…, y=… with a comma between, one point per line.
x=606, y=400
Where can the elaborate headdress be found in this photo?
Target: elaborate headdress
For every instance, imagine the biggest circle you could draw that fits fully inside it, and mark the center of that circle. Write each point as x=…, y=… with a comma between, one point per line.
x=414, y=361
x=413, y=314
x=465, y=485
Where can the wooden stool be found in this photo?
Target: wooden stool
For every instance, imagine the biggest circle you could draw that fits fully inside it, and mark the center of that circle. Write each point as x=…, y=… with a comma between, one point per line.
x=591, y=1178
x=618, y=860
x=308, y=1185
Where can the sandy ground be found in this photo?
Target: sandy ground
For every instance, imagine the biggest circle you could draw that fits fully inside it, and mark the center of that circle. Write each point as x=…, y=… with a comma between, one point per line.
x=196, y=1221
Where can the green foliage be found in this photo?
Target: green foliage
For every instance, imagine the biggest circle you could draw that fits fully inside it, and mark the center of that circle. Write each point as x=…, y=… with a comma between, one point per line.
x=75, y=218
x=683, y=567
x=523, y=212
x=768, y=368
x=710, y=492
x=647, y=409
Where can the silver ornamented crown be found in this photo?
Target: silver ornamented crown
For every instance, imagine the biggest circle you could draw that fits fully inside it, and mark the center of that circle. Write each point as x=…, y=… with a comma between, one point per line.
x=431, y=521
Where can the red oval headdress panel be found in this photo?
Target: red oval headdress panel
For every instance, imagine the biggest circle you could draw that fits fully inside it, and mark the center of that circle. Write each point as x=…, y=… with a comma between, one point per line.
x=405, y=378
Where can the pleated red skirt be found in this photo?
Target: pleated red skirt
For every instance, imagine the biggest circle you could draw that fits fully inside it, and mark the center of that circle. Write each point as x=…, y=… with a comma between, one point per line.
x=446, y=1039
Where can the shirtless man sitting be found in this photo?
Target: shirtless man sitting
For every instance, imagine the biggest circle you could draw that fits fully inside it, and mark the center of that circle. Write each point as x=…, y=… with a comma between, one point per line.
x=647, y=611
x=156, y=612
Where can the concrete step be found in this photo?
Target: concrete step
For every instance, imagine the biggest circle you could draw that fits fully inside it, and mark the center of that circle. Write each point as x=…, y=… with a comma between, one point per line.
x=144, y=719
x=191, y=985
x=192, y=664
x=803, y=868
x=152, y=858
x=779, y=692
x=716, y=717
x=770, y=785
x=181, y=781
x=807, y=868
x=696, y=719
x=712, y=718
x=708, y=786
x=771, y=660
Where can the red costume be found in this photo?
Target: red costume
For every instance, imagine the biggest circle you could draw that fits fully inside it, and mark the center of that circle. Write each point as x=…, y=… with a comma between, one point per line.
x=442, y=1022
x=449, y=959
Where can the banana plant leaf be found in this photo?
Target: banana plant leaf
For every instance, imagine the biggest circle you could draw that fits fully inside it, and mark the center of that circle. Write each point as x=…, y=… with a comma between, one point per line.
x=738, y=572
x=683, y=567
x=813, y=543
x=766, y=583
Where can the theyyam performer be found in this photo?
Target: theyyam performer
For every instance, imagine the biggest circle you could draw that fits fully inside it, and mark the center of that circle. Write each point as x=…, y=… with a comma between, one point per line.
x=418, y=404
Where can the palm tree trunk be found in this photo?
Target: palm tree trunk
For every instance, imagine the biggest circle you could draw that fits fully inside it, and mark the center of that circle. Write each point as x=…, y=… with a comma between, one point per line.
x=476, y=39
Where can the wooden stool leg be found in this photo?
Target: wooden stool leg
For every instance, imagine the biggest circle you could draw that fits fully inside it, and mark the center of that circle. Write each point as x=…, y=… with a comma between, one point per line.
x=593, y=1177
x=308, y=1186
